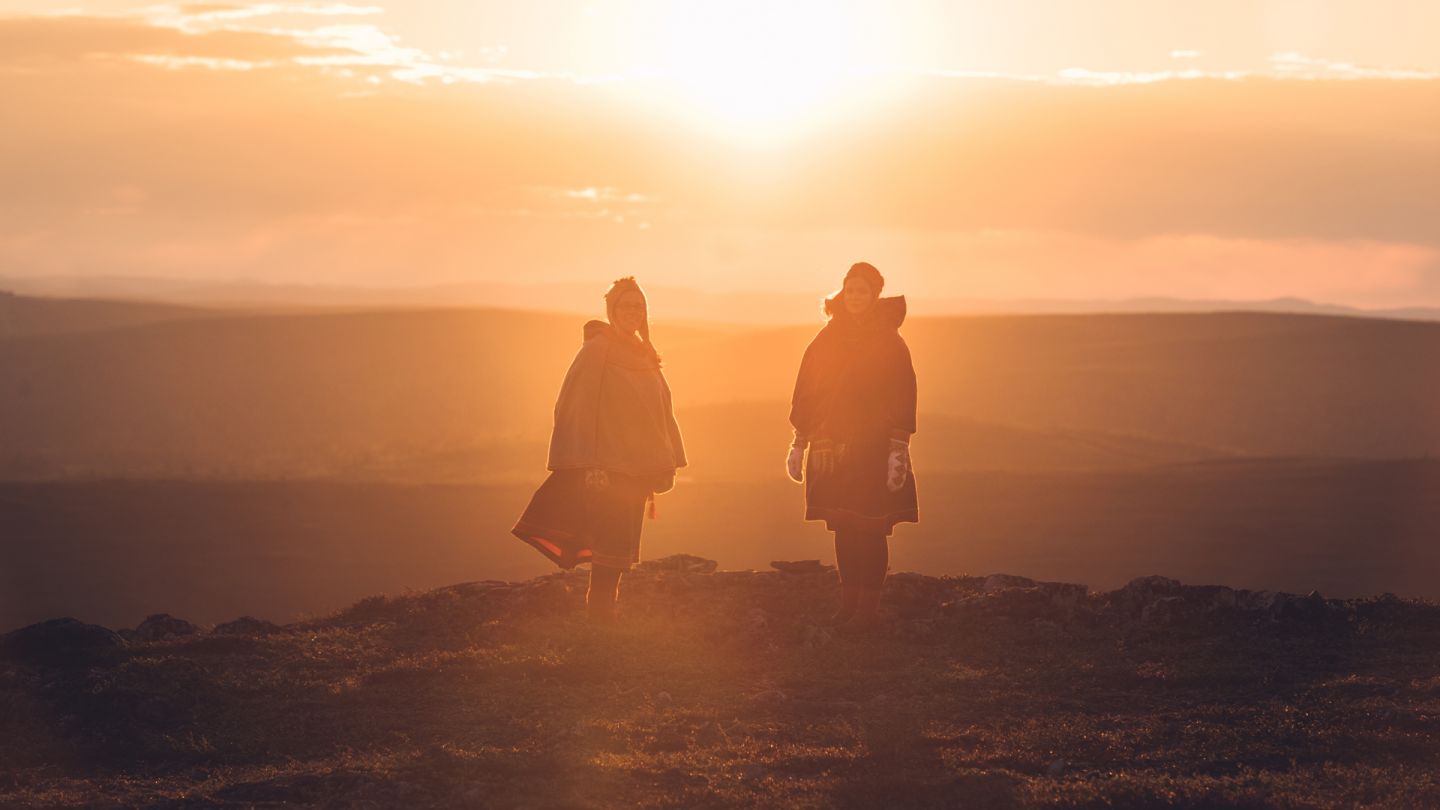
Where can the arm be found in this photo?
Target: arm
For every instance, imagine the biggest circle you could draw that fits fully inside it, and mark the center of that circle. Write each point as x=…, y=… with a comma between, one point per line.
x=573, y=442
x=807, y=412
x=903, y=412
x=807, y=404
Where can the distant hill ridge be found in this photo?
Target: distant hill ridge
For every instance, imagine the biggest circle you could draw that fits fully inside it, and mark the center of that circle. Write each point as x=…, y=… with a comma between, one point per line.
x=674, y=302
x=322, y=393
x=22, y=315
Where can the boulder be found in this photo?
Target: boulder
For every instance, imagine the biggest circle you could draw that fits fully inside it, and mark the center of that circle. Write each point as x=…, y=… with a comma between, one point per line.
x=1065, y=596
x=1023, y=604
x=1165, y=610
x=248, y=626
x=161, y=626
x=801, y=567
x=684, y=563
x=1142, y=592
x=1000, y=582
x=58, y=641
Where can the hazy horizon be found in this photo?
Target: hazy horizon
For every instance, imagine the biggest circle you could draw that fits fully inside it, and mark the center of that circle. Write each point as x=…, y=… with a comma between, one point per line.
x=671, y=304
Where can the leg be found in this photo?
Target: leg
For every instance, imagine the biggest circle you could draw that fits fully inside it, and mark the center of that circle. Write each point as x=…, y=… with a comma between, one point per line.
x=604, y=591
x=875, y=551
x=872, y=561
x=848, y=561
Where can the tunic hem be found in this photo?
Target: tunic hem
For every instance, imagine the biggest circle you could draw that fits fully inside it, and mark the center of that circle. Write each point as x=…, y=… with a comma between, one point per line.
x=848, y=520
x=566, y=549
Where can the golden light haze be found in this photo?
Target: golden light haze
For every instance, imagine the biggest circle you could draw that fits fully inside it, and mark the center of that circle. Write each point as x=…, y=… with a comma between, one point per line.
x=971, y=150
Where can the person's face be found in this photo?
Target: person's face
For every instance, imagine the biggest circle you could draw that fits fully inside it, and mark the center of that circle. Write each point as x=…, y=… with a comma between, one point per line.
x=859, y=295
x=630, y=311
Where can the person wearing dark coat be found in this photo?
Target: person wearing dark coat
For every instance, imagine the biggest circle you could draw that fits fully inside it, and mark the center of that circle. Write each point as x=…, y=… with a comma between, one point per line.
x=614, y=445
x=854, y=411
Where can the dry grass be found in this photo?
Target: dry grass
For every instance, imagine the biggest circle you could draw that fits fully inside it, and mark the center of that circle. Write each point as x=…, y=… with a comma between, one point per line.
x=718, y=690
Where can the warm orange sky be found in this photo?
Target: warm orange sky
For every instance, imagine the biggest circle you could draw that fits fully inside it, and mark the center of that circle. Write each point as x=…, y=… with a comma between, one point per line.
x=1028, y=148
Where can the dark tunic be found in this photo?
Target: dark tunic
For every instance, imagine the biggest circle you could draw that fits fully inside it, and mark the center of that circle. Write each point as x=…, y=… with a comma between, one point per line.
x=571, y=523
x=856, y=388
x=614, y=417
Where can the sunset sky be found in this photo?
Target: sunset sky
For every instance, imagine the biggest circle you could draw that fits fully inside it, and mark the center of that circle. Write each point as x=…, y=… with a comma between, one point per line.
x=1087, y=149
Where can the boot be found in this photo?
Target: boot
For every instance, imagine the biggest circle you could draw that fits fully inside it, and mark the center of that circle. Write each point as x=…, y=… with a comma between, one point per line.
x=867, y=612
x=849, y=595
x=598, y=611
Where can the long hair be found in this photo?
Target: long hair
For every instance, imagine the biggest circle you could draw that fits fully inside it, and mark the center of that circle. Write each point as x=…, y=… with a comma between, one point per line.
x=612, y=299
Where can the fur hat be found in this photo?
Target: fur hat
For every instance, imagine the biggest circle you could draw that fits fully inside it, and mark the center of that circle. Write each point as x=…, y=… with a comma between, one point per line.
x=617, y=291
x=868, y=272
x=865, y=270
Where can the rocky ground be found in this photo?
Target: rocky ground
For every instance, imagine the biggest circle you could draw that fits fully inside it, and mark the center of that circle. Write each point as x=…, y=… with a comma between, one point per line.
x=725, y=689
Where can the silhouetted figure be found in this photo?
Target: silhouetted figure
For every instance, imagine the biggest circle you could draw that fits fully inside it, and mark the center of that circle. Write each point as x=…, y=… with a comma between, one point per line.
x=854, y=408
x=615, y=444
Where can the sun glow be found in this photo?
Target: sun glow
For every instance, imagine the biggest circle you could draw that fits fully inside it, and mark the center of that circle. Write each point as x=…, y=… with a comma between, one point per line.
x=761, y=68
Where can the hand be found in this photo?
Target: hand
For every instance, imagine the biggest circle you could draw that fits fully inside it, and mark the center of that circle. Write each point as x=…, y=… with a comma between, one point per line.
x=899, y=466
x=795, y=463
x=664, y=482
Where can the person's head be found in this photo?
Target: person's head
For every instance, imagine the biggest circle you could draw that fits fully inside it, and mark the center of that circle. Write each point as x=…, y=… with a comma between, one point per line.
x=628, y=311
x=862, y=287
x=625, y=306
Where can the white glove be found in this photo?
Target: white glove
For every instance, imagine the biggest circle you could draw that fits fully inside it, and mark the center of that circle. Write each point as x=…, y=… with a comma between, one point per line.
x=795, y=462
x=899, y=465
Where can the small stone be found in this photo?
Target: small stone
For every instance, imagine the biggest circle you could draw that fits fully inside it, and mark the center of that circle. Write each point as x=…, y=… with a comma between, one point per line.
x=662, y=700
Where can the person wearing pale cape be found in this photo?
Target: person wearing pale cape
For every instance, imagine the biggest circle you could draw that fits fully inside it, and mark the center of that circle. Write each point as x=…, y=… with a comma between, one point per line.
x=615, y=444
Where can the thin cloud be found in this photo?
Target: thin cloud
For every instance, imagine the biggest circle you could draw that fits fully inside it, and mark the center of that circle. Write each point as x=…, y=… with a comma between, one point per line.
x=198, y=16
x=1289, y=64
x=232, y=38
x=206, y=62
x=58, y=40
x=1111, y=78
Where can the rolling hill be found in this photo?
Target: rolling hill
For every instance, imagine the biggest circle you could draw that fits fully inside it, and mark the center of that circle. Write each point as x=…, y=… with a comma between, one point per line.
x=325, y=394
x=301, y=460
x=27, y=315
x=115, y=551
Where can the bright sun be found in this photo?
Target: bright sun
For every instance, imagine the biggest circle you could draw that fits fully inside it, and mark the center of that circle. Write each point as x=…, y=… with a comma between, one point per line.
x=760, y=68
